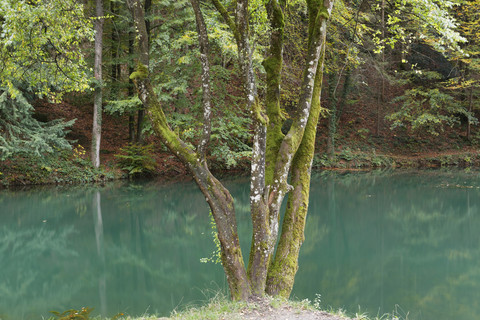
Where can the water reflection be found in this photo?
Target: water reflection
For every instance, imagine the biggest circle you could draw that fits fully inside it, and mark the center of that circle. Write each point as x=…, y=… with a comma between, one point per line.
x=398, y=242
x=133, y=248
x=102, y=278
x=383, y=241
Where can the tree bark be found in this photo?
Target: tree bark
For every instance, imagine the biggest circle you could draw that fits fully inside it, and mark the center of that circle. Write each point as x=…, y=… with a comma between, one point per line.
x=381, y=97
x=259, y=258
x=319, y=14
x=206, y=94
x=284, y=267
x=267, y=138
x=131, y=116
x=332, y=119
x=217, y=196
x=97, y=100
x=470, y=110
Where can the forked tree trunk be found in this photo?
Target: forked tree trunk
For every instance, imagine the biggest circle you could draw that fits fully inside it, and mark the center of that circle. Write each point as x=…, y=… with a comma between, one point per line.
x=274, y=156
x=285, y=265
x=282, y=271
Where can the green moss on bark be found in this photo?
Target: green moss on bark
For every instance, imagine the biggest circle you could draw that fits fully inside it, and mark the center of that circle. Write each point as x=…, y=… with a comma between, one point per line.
x=273, y=67
x=140, y=73
x=282, y=272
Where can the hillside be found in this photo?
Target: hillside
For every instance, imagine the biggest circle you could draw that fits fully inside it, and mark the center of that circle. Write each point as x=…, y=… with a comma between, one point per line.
x=357, y=144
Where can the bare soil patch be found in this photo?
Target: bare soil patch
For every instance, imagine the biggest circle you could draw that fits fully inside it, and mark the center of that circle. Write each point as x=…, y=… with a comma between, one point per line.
x=263, y=310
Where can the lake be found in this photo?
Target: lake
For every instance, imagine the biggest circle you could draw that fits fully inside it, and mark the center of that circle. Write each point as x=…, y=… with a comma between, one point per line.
x=402, y=242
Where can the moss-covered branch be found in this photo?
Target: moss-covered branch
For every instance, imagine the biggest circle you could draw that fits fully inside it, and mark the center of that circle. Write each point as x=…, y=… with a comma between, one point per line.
x=282, y=272
x=295, y=156
x=273, y=67
x=206, y=96
x=227, y=18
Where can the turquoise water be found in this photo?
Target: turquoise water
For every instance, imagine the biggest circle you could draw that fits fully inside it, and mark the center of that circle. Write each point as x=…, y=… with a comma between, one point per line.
x=403, y=242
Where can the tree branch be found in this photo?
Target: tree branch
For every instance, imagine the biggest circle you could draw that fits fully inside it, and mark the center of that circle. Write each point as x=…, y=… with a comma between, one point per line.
x=228, y=20
x=217, y=196
x=207, y=97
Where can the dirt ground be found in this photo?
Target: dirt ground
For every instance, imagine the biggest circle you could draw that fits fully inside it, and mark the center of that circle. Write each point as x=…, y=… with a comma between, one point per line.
x=264, y=311
x=401, y=149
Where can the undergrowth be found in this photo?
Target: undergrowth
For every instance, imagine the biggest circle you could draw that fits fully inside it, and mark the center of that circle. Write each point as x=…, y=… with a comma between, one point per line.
x=137, y=159
x=61, y=167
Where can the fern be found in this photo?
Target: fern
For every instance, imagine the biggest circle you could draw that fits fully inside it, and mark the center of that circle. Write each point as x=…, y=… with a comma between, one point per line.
x=137, y=159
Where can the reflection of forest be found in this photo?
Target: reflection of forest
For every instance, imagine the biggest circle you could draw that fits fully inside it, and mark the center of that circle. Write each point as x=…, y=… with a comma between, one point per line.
x=140, y=252
x=374, y=240
x=403, y=242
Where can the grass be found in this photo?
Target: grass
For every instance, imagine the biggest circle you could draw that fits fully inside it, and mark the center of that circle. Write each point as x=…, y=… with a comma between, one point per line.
x=221, y=307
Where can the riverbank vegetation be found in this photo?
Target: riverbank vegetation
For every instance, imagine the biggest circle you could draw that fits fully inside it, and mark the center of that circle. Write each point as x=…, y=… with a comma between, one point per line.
x=267, y=308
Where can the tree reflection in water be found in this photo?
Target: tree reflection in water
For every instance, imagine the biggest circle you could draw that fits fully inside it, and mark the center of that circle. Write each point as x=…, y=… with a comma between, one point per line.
x=404, y=241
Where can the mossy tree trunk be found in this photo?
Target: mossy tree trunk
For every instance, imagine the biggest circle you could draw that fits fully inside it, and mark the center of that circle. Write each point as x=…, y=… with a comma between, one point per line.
x=296, y=155
x=276, y=157
x=218, y=198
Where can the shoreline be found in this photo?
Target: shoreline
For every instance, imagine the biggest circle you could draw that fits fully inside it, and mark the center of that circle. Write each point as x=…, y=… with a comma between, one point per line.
x=31, y=172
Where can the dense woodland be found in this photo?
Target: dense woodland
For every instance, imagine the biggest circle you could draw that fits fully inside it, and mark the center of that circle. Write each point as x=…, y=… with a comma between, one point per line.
x=274, y=87
x=398, y=79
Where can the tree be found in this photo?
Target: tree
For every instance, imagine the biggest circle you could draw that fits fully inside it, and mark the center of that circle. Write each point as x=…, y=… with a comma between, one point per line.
x=21, y=134
x=275, y=156
x=97, y=100
x=468, y=15
x=40, y=50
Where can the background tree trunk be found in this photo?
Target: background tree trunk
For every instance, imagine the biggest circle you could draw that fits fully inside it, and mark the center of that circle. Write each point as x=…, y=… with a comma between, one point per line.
x=97, y=100
x=470, y=110
x=332, y=119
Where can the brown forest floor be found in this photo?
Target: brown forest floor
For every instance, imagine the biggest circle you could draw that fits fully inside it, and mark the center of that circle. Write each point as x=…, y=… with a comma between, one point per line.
x=357, y=128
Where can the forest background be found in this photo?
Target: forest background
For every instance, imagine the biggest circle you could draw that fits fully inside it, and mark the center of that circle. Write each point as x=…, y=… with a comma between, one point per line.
x=400, y=86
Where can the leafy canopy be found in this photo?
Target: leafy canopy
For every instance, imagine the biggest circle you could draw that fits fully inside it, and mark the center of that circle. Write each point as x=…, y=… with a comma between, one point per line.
x=40, y=43
x=40, y=50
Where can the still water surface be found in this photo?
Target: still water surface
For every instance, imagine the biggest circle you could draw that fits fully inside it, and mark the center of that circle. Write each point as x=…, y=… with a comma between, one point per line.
x=403, y=242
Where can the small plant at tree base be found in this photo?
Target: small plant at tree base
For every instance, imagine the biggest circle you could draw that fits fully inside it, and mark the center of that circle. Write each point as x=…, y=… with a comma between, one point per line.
x=72, y=314
x=215, y=256
x=82, y=314
x=137, y=159
x=317, y=301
